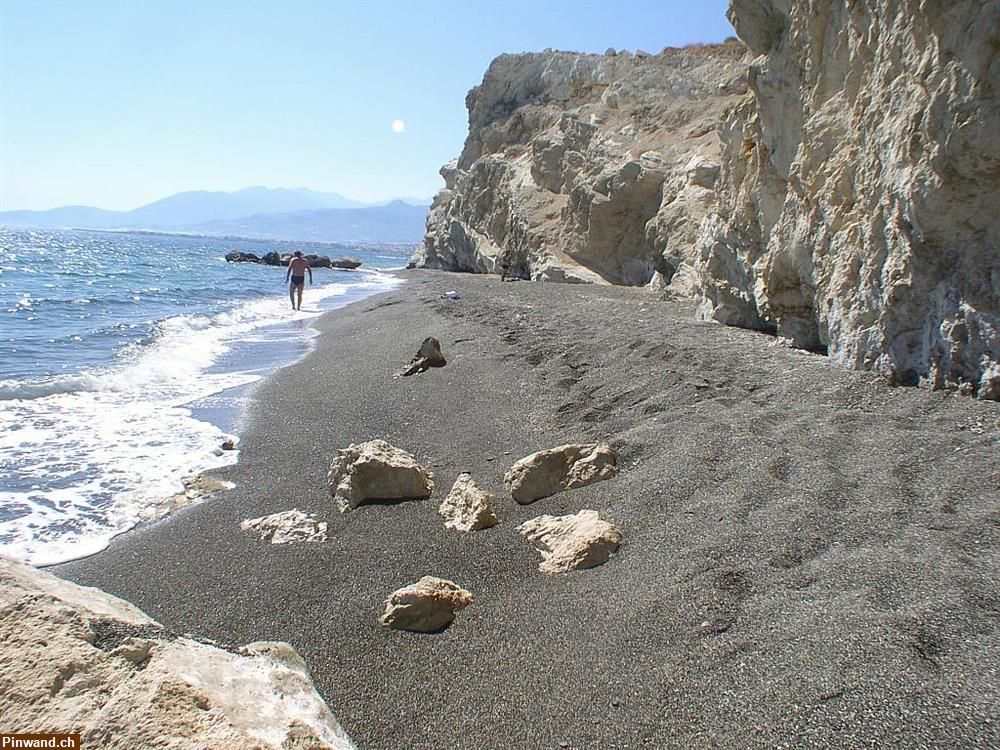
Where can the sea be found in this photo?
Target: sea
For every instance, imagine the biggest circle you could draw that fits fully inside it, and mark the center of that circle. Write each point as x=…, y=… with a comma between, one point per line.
x=126, y=360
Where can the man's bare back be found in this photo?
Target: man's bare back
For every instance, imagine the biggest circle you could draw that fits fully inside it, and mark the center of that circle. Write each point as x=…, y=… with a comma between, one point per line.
x=298, y=267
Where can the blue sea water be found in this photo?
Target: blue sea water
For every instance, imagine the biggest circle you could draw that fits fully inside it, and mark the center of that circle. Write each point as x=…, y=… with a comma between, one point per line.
x=125, y=360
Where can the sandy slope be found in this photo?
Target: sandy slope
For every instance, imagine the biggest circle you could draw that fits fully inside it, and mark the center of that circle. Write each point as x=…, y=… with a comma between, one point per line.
x=810, y=556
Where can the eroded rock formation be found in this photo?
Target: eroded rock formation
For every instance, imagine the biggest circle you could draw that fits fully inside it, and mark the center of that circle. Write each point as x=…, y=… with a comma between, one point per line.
x=76, y=659
x=836, y=183
x=859, y=187
x=585, y=167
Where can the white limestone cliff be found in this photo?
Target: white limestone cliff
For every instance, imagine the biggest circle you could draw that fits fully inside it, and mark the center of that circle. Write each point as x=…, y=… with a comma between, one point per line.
x=837, y=184
x=585, y=168
x=857, y=200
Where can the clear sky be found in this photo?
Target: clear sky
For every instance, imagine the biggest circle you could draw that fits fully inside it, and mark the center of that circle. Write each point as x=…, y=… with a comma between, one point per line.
x=116, y=104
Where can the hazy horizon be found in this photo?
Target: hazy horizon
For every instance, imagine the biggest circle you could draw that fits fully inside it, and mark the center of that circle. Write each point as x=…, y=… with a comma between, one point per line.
x=273, y=188
x=117, y=105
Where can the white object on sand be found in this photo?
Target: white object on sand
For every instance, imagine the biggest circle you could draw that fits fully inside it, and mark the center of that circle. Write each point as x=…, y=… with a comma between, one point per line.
x=467, y=507
x=287, y=527
x=573, y=542
x=427, y=606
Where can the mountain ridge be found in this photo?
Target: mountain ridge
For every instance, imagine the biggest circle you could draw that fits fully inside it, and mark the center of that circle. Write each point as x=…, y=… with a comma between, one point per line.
x=193, y=207
x=397, y=222
x=266, y=213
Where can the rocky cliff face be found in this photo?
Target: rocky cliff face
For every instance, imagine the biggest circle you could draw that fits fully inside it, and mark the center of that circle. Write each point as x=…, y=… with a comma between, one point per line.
x=860, y=186
x=846, y=199
x=586, y=167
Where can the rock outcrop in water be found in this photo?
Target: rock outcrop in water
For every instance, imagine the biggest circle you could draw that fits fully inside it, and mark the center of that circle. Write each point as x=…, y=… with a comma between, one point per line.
x=76, y=659
x=859, y=187
x=836, y=185
x=274, y=259
x=585, y=167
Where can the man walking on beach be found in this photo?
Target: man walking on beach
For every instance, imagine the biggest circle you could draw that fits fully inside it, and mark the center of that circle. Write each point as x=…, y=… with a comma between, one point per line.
x=297, y=269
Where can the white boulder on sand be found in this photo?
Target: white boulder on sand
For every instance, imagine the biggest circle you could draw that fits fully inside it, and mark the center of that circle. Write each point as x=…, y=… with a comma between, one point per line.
x=287, y=527
x=467, y=507
x=427, y=606
x=76, y=659
x=573, y=542
x=547, y=472
x=377, y=471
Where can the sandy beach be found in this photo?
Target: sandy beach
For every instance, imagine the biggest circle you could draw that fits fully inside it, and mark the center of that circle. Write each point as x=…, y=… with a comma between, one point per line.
x=809, y=555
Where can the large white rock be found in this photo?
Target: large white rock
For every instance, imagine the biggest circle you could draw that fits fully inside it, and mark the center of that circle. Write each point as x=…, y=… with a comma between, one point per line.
x=427, y=606
x=377, y=471
x=859, y=187
x=547, y=472
x=287, y=527
x=574, y=542
x=467, y=507
x=76, y=659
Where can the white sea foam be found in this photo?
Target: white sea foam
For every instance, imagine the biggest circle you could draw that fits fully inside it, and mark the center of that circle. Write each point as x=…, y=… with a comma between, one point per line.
x=105, y=445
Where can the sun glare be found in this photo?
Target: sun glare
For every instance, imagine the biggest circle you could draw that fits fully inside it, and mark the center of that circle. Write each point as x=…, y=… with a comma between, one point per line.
x=398, y=126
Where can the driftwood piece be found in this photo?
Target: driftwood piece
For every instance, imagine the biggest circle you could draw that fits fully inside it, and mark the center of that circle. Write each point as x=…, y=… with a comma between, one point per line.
x=428, y=356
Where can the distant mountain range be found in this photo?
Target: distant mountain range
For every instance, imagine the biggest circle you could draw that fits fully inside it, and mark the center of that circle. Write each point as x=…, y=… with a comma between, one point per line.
x=396, y=222
x=270, y=213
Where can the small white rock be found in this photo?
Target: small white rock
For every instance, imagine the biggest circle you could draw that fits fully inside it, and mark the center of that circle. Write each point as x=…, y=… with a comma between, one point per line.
x=573, y=542
x=467, y=507
x=427, y=606
x=287, y=527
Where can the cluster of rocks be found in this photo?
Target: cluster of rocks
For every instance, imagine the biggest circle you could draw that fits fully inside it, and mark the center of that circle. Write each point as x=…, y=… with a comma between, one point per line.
x=378, y=472
x=275, y=259
x=76, y=659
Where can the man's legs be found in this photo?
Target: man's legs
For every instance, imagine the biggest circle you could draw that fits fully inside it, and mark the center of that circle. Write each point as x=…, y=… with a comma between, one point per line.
x=291, y=294
x=302, y=286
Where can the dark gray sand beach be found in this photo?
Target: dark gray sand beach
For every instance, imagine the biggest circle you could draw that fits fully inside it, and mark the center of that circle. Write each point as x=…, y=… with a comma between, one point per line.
x=810, y=556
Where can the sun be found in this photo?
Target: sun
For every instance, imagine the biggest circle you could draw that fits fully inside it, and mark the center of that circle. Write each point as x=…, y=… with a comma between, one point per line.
x=398, y=126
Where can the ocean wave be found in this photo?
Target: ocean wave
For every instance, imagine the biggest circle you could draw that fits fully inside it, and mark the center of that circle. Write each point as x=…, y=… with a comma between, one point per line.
x=85, y=455
x=177, y=352
x=12, y=390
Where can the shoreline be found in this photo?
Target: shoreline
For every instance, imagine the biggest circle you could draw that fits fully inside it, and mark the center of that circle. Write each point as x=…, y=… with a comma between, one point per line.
x=251, y=356
x=823, y=524
x=203, y=486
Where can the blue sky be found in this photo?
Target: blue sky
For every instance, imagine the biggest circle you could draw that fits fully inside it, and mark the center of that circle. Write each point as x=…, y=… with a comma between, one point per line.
x=116, y=104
